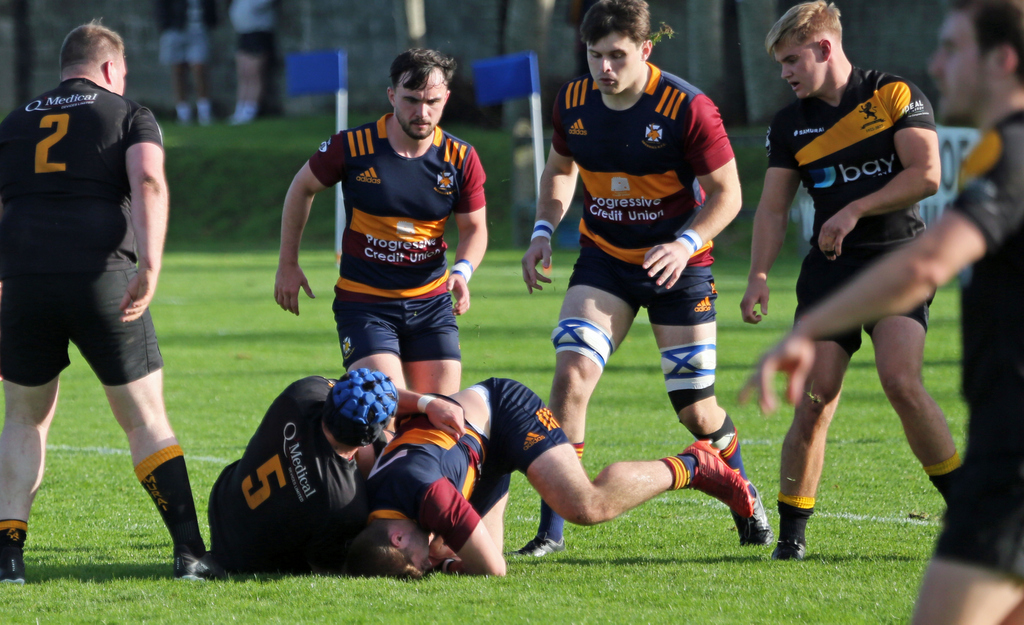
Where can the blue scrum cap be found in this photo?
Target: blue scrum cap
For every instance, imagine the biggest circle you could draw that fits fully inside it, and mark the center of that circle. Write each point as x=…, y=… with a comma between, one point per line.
x=359, y=406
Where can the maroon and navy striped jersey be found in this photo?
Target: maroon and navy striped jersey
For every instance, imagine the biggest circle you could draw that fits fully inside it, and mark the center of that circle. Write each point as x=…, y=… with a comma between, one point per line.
x=640, y=166
x=396, y=209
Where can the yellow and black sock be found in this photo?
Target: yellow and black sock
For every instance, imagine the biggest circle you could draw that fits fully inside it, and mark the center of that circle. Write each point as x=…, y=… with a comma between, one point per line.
x=794, y=511
x=943, y=474
x=165, y=478
x=13, y=533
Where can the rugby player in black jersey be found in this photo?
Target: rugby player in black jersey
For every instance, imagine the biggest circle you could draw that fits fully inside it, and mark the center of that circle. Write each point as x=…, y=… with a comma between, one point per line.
x=863, y=143
x=297, y=497
x=977, y=573
x=84, y=198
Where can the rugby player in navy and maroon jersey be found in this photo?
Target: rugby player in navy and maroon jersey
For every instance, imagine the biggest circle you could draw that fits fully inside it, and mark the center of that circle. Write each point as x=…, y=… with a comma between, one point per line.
x=864, y=145
x=976, y=575
x=402, y=178
x=660, y=182
x=84, y=202
x=431, y=482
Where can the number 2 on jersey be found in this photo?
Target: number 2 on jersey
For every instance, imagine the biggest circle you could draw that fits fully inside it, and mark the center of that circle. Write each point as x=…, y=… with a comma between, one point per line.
x=43, y=164
x=265, y=470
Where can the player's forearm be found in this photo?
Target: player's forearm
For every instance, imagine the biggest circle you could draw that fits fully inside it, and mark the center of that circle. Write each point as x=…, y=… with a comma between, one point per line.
x=769, y=234
x=472, y=240
x=149, y=209
x=297, y=204
x=556, y=191
x=720, y=207
x=906, y=189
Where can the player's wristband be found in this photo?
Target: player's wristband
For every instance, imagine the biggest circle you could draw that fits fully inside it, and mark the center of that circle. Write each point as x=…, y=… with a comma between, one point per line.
x=692, y=240
x=421, y=403
x=465, y=268
x=447, y=565
x=542, y=228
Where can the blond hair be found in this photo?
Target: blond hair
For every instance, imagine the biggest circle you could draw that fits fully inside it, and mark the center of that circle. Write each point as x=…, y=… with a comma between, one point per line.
x=90, y=44
x=801, y=22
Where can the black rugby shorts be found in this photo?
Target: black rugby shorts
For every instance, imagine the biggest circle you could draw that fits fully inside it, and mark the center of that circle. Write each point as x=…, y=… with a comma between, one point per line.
x=40, y=314
x=820, y=277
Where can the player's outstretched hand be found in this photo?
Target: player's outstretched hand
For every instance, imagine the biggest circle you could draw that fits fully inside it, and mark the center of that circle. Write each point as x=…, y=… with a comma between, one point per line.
x=538, y=252
x=833, y=231
x=668, y=259
x=448, y=417
x=460, y=290
x=794, y=356
x=138, y=294
x=286, y=287
x=756, y=296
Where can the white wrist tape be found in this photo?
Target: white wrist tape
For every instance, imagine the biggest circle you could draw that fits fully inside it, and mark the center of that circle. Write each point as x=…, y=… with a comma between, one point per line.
x=691, y=239
x=447, y=565
x=421, y=403
x=465, y=268
x=542, y=228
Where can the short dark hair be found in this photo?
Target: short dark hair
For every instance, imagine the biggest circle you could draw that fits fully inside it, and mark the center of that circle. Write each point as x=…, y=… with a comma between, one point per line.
x=371, y=554
x=414, y=67
x=631, y=18
x=91, y=43
x=997, y=22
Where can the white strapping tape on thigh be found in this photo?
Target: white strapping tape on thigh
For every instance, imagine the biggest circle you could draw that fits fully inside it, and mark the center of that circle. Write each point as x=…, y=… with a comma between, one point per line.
x=689, y=366
x=584, y=337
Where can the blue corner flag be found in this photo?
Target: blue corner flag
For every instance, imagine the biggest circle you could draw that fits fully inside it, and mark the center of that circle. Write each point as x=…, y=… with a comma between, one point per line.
x=506, y=77
x=317, y=72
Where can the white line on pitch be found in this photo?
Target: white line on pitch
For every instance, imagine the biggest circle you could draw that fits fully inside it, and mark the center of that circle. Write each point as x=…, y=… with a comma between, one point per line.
x=111, y=451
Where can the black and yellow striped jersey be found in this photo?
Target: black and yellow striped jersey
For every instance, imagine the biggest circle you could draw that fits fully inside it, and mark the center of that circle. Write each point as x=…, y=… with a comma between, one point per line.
x=992, y=297
x=846, y=152
x=396, y=209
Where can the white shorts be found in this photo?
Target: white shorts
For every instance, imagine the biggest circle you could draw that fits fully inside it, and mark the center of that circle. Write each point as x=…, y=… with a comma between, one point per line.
x=191, y=46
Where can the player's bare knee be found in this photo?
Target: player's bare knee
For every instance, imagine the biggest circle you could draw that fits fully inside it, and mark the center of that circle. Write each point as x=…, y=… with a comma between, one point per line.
x=902, y=387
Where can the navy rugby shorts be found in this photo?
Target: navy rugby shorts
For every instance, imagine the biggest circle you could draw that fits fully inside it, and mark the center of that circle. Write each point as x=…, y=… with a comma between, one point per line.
x=412, y=329
x=42, y=313
x=690, y=301
x=820, y=277
x=522, y=428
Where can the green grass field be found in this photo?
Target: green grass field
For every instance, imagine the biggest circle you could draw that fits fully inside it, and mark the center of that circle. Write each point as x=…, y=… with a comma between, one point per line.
x=98, y=552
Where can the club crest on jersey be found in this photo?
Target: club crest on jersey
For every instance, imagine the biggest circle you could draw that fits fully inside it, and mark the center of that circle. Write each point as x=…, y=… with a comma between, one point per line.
x=870, y=115
x=445, y=183
x=346, y=347
x=323, y=146
x=654, y=136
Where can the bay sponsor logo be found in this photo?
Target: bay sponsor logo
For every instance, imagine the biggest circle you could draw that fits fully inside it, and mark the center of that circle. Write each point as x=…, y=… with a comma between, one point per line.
x=828, y=176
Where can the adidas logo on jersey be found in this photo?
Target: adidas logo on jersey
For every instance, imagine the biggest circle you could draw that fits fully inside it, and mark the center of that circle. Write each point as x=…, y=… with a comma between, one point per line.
x=532, y=439
x=703, y=306
x=368, y=176
x=577, y=128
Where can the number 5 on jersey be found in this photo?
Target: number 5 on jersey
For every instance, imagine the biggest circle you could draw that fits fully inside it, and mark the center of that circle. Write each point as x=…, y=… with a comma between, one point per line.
x=261, y=494
x=43, y=164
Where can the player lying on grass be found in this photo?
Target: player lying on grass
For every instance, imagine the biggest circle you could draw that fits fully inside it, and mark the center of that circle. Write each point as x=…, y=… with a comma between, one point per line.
x=296, y=498
x=429, y=482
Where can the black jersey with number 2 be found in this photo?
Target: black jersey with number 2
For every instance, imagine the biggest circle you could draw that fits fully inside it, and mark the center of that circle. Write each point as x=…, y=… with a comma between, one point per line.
x=64, y=181
x=848, y=151
x=291, y=504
